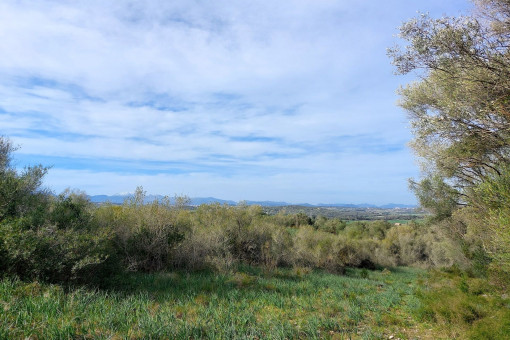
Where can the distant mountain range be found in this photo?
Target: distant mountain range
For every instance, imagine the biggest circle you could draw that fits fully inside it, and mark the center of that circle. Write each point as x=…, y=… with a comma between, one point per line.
x=119, y=199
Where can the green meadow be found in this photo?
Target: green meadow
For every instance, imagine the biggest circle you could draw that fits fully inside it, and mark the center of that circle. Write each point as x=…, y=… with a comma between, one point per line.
x=253, y=303
x=250, y=303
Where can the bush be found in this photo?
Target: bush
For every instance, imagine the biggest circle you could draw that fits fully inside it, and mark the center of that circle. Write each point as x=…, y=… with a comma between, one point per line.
x=494, y=208
x=331, y=225
x=317, y=249
x=47, y=238
x=145, y=235
x=230, y=235
x=64, y=252
x=20, y=193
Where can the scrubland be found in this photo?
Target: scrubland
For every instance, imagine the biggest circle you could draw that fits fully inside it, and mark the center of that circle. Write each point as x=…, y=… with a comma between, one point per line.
x=72, y=269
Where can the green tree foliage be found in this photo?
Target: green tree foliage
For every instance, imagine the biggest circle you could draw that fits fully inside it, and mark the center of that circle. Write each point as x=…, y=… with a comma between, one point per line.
x=459, y=112
x=44, y=237
x=330, y=225
x=20, y=193
x=494, y=205
x=435, y=194
x=460, y=109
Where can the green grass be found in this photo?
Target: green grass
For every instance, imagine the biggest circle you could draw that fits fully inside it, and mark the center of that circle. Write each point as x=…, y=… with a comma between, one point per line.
x=463, y=307
x=248, y=304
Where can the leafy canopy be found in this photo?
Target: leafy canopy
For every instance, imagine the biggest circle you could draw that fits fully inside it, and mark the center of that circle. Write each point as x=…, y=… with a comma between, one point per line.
x=18, y=191
x=459, y=110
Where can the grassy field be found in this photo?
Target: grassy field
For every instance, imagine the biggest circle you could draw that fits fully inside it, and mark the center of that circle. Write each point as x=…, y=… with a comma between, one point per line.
x=247, y=304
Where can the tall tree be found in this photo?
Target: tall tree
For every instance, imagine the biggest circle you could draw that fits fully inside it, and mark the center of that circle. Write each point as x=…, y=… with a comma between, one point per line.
x=460, y=108
x=459, y=111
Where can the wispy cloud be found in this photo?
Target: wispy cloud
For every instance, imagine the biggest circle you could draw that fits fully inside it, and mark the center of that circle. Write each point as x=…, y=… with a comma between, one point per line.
x=243, y=100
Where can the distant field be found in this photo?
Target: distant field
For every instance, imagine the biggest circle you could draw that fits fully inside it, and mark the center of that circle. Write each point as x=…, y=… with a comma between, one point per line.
x=401, y=221
x=419, y=220
x=352, y=214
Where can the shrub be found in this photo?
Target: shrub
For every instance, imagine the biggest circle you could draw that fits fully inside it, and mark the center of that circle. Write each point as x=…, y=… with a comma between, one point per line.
x=403, y=245
x=280, y=250
x=144, y=234
x=494, y=207
x=70, y=210
x=241, y=234
x=204, y=248
x=377, y=229
x=331, y=225
x=64, y=252
x=356, y=230
x=317, y=249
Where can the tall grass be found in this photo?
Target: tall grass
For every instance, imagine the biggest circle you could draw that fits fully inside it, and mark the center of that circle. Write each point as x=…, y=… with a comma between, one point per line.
x=463, y=307
x=249, y=303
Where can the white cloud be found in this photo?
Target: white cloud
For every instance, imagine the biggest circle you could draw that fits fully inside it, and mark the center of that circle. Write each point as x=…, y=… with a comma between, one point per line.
x=296, y=90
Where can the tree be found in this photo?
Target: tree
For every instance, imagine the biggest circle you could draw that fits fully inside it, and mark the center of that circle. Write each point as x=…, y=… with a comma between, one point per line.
x=459, y=109
x=18, y=191
x=48, y=238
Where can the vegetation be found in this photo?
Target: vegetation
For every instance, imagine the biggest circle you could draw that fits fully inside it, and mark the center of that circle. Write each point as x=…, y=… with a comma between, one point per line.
x=255, y=303
x=351, y=213
x=246, y=304
x=159, y=270
x=462, y=307
x=459, y=113
x=70, y=269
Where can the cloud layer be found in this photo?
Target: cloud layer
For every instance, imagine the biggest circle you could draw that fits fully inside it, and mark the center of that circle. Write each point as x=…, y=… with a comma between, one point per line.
x=253, y=100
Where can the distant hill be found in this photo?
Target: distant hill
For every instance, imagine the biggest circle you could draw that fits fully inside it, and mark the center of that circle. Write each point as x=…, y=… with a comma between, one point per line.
x=394, y=206
x=119, y=199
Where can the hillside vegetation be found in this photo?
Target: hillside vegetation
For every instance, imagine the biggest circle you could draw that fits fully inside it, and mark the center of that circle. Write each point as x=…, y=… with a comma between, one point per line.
x=66, y=239
x=72, y=269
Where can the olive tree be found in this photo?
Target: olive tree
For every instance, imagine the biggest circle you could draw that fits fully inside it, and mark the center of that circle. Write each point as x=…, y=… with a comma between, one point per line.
x=459, y=108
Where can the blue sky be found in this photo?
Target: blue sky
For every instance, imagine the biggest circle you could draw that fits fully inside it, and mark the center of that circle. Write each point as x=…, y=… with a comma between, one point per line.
x=258, y=100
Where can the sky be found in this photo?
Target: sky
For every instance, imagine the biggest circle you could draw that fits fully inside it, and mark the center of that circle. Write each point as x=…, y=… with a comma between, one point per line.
x=244, y=100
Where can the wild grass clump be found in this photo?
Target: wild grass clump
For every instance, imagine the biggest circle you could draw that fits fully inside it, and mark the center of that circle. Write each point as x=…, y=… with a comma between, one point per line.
x=464, y=305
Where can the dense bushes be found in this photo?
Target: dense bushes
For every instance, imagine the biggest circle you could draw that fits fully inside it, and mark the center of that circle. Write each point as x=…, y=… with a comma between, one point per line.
x=159, y=236
x=65, y=238
x=62, y=245
x=72, y=240
x=45, y=237
x=143, y=234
